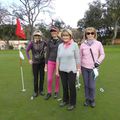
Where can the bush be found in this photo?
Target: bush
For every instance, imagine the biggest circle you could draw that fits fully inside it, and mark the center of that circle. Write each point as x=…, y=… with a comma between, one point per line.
x=11, y=47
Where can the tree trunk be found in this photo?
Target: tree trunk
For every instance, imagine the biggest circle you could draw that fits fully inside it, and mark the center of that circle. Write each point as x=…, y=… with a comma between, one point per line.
x=7, y=44
x=115, y=32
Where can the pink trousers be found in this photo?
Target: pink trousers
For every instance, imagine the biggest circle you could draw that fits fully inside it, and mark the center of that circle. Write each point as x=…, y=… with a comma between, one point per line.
x=50, y=75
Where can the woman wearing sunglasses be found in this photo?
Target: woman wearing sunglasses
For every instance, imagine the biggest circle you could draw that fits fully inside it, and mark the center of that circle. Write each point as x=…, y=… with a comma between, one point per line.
x=89, y=61
x=37, y=46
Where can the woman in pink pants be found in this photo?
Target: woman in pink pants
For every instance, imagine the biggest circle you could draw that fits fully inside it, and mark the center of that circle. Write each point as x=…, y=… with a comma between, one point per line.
x=50, y=65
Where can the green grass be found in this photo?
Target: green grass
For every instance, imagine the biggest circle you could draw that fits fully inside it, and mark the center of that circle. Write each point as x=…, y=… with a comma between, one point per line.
x=16, y=105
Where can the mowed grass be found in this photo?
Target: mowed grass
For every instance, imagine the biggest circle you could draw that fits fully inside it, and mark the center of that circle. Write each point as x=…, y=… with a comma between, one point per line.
x=16, y=105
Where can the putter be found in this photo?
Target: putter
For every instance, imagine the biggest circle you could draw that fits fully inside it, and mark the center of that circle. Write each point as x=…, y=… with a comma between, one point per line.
x=78, y=81
x=59, y=99
x=23, y=90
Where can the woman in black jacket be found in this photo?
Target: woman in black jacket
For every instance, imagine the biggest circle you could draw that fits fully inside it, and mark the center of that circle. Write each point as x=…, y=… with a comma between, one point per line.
x=37, y=46
x=50, y=65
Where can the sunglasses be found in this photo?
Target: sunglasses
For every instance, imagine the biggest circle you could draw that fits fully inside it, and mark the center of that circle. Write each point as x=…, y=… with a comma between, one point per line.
x=53, y=31
x=88, y=33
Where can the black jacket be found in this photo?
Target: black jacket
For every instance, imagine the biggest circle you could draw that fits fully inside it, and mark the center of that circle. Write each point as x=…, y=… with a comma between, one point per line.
x=52, y=47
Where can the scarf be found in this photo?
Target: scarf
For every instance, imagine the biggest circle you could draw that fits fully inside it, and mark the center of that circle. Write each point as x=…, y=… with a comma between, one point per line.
x=89, y=42
x=67, y=44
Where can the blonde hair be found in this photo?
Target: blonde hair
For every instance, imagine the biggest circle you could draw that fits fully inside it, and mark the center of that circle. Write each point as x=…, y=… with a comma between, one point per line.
x=89, y=29
x=68, y=31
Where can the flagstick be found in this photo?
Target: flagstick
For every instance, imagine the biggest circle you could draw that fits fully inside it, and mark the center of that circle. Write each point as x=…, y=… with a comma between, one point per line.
x=22, y=78
x=20, y=33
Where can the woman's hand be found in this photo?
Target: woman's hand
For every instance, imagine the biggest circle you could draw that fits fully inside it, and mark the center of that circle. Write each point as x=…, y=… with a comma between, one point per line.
x=57, y=69
x=78, y=72
x=30, y=62
x=57, y=73
x=45, y=69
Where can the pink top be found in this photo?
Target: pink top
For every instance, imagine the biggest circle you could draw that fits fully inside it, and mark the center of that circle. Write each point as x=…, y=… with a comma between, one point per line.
x=86, y=57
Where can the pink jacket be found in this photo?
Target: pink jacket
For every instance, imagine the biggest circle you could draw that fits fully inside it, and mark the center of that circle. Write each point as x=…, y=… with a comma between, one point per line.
x=85, y=55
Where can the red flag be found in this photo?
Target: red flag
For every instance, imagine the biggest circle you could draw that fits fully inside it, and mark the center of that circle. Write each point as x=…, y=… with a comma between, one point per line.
x=19, y=30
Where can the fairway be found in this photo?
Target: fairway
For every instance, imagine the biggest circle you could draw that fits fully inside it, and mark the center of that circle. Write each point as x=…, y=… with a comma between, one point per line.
x=16, y=105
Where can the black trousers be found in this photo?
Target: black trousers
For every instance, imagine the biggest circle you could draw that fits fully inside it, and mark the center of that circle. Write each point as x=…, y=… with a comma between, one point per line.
x=69, y=90
x=38, y=72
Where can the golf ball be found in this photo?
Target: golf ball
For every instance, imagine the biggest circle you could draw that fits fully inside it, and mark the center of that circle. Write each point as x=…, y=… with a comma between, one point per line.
x=31, y=98
x=101, y=90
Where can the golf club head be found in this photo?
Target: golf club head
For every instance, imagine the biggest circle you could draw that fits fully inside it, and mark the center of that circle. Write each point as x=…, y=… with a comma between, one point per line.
x=78, y=86
x=23, y=90
x=32, y=98
x=59, y=99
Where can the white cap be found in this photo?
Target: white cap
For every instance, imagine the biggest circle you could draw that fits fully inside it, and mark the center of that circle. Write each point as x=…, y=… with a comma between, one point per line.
x=37, y=32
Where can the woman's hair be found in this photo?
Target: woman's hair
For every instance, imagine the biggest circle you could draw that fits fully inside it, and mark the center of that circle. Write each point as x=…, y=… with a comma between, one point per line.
x=68, y=31
x=92, y=29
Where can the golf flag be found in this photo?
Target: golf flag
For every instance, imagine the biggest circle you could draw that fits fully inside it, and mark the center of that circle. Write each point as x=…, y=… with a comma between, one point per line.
x=19, y=30
x=20, y=33
x=21, y=55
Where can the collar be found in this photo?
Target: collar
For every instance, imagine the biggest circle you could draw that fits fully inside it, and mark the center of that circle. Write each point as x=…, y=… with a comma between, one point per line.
x=67, y=44
x=89, y=42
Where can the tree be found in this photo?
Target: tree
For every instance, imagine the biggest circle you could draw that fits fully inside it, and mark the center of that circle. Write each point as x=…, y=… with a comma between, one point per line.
x=77, y=35
x=104, y=17
x=44, y=29
x=59, y=23
x=6, y=26
x=93, y=16
x=3, y=15
x=29, y=11
x=81, y=24
x=113, y=10
x=7, y=33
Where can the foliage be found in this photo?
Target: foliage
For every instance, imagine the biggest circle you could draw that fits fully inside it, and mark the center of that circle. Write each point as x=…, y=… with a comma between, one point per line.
x=59, y=23
x=3, y=14
x=7, y=32
x=92, y=17
x=113, y=8
x=44, y=29
x=104, y=17
x=11, y=47
x=29, y=10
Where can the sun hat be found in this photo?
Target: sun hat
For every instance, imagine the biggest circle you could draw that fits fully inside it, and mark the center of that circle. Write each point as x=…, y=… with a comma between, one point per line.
x=37, y=32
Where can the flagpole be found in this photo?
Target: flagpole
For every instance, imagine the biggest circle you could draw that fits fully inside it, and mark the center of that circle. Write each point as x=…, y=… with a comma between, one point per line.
x=21, y=70
x=23, y=86
x=20, y=34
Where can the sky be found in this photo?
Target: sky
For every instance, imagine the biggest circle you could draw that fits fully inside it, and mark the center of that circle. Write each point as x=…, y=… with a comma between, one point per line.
x=70, y=11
